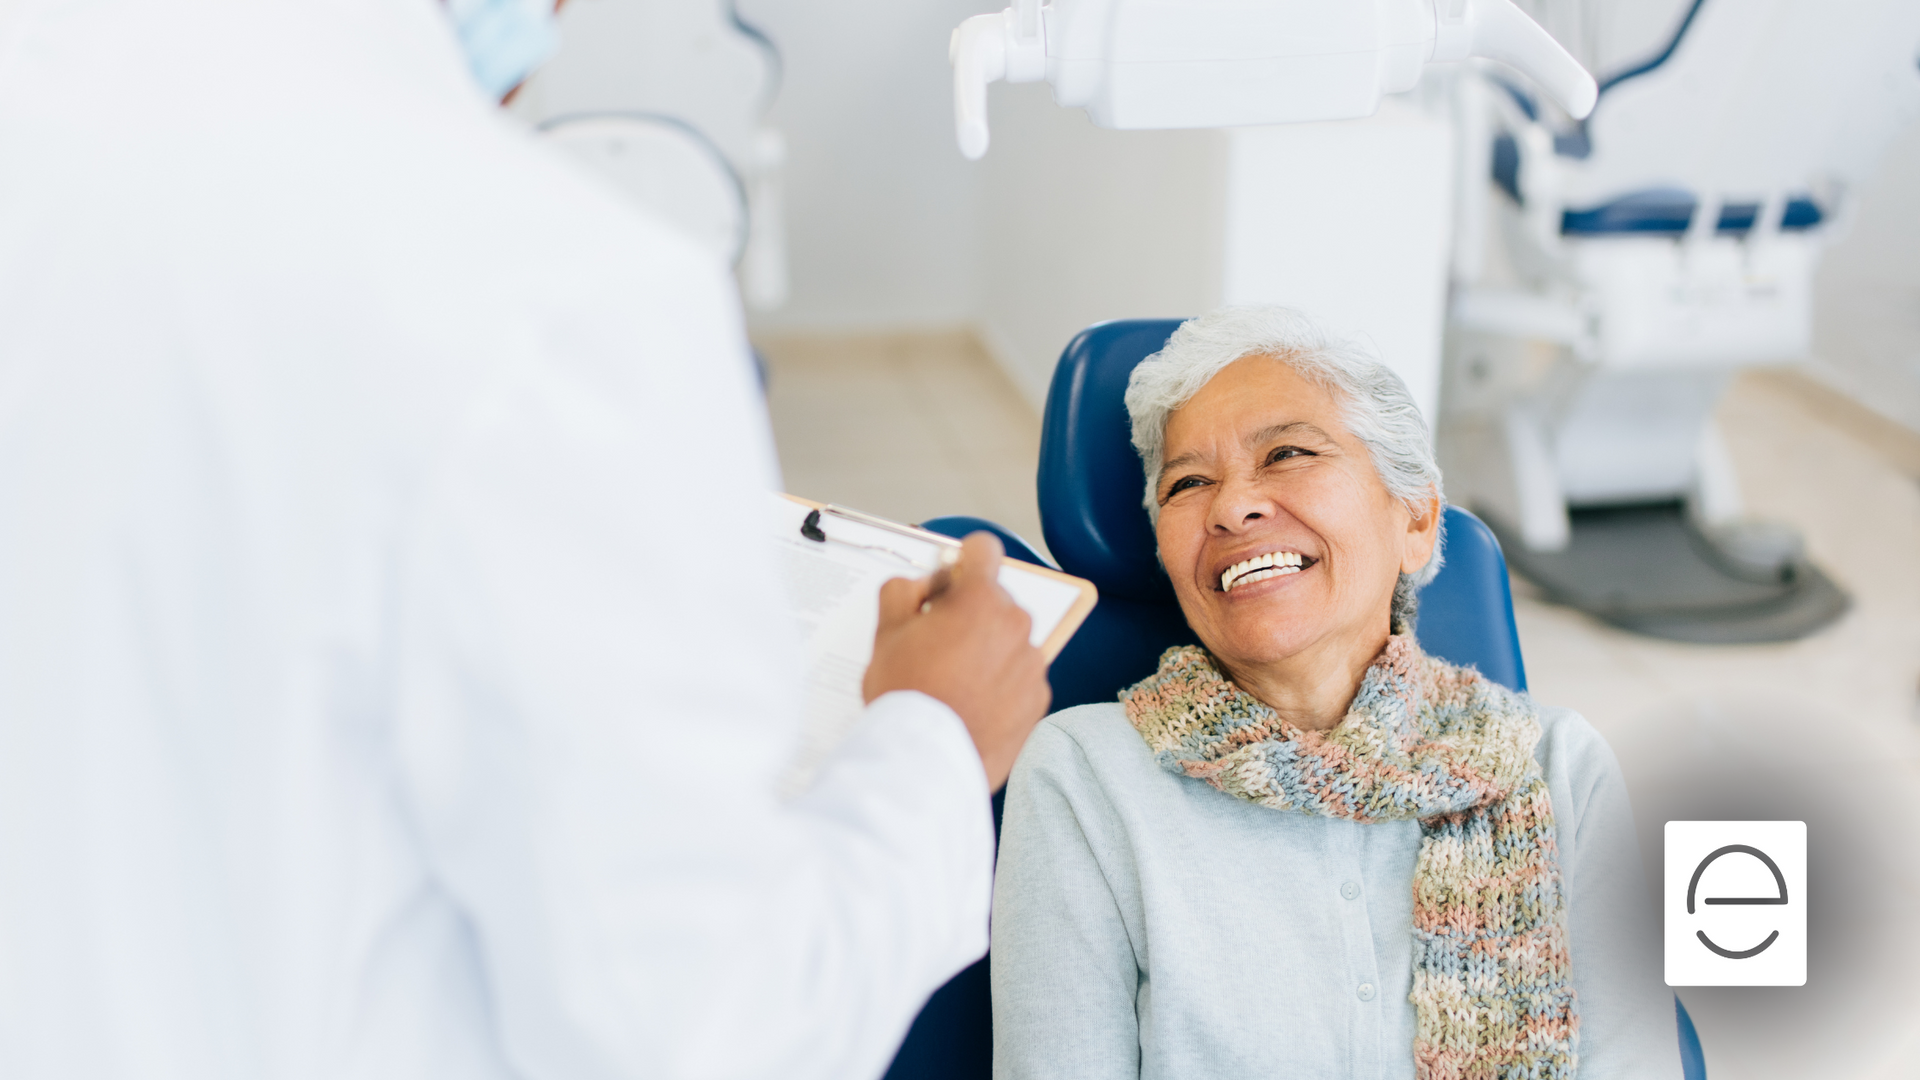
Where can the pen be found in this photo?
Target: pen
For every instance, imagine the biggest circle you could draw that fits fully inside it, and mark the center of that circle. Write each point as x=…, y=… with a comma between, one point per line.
x=948, y=547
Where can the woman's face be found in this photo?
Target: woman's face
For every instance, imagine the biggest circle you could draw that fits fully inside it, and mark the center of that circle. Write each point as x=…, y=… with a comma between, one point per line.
x=1274, y=526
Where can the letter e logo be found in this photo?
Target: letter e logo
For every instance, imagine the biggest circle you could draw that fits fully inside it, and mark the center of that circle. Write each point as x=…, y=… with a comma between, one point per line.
x=1736, y=903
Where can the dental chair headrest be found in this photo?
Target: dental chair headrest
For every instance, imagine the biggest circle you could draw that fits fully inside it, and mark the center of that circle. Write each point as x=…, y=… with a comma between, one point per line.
x=1090, y=480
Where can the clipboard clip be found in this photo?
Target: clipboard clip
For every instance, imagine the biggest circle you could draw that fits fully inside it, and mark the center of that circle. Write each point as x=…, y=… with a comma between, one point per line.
x=948, y=547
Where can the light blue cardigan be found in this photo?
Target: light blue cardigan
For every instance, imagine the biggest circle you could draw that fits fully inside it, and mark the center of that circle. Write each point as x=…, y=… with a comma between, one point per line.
x=1147, y=925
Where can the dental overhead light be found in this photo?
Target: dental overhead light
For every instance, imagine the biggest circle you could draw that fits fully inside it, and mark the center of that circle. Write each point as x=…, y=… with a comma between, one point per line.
x=1136, y=64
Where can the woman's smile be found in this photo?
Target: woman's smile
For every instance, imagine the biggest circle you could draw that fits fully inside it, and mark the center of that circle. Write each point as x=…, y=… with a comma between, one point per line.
x=1244, y=574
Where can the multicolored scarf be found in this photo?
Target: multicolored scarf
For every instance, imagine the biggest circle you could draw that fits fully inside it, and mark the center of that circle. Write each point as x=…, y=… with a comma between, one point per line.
x=1426, y=740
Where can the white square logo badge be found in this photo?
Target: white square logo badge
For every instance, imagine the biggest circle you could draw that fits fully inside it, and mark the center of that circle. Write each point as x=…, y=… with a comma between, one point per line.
x=1736, y=903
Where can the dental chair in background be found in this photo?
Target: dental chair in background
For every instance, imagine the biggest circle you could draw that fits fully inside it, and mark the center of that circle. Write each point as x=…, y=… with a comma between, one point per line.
x=1090, y=485
x=1614, y=274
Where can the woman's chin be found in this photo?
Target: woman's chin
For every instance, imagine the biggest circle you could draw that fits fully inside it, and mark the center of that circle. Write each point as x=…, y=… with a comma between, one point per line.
x=1266, y=626
x=1266, y=641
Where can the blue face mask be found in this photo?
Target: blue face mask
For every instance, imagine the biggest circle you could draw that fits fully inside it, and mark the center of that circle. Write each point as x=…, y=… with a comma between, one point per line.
x=504, y=39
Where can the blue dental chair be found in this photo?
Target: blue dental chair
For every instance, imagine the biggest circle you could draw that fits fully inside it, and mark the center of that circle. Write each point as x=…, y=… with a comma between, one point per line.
x=1090, y=486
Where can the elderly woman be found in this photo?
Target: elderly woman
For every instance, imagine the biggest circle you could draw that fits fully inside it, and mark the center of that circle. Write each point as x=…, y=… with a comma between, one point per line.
x=1308, y=849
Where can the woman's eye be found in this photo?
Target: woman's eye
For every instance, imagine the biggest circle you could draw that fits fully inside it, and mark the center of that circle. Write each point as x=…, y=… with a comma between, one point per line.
x=1282, y=453
x=1183, y=484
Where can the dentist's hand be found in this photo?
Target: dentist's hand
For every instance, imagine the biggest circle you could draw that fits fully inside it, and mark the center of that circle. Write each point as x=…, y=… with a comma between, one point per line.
x=958, y=637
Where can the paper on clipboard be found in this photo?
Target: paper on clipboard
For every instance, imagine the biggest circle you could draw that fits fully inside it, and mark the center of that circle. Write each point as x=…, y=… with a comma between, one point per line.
x=834, y=594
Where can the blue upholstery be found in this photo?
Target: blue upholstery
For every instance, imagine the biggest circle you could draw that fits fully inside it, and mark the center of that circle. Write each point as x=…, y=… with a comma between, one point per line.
x=1466, y=611
x=952, y=1038
x=1693, y=1062
x=959, y=526
x=1668, y=210
x=1090, y=483
x=1659, y=212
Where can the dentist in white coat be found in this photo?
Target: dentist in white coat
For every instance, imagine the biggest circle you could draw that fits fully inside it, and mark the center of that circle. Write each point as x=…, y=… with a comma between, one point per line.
x=392, y=681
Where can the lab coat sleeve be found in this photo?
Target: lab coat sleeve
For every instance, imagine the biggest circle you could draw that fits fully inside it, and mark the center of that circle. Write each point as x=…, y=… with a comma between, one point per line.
x=1065, y=976
x=1627, y=1023
x=599, y=690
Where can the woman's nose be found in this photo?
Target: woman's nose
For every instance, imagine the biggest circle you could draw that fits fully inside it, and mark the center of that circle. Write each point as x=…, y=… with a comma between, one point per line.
x=1236, y=505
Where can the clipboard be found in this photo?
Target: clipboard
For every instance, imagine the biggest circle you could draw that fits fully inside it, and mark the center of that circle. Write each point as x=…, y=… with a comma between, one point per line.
x=833, y=561
x=1052, y=639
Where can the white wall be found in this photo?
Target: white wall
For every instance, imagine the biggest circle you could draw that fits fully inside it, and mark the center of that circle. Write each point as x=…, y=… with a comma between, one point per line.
x=1349, y=221
x=1079, y=224
x=1866, y=317
x=1882, y=243
x=1609, y=35
x=683, y=59
x=880, y=206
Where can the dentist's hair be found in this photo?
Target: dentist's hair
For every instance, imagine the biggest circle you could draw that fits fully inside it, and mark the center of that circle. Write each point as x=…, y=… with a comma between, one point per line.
x=1378, y=409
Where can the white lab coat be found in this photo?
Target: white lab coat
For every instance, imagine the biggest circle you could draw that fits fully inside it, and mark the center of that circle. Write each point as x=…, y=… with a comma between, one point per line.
x=392, y=681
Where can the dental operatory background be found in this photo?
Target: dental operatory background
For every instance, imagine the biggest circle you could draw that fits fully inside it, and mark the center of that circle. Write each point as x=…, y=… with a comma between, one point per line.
x=1671, y=353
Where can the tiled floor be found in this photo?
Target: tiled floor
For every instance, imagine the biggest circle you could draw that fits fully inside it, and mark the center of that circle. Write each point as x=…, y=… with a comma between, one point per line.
x=1825, y=730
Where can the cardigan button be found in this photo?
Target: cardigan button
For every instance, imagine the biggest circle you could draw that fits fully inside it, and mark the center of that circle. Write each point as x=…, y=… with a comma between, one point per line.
x=1366, y=991
x=1350, y=890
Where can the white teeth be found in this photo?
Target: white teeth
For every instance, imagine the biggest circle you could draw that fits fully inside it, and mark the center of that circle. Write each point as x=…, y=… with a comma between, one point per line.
x=1262, y=575
x=1260, y=568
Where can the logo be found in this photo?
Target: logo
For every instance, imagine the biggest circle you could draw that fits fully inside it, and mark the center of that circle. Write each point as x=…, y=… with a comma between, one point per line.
x=1736, y=903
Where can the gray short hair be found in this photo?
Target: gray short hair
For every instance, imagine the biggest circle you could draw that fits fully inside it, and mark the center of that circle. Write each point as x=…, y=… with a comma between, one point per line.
x=1379, y=410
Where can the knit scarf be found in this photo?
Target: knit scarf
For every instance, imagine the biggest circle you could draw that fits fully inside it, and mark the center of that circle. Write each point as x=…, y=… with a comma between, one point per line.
x=1426, y=740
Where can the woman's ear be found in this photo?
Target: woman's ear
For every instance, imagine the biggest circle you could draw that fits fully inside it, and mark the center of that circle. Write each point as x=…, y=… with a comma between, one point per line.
x=1423, y=529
